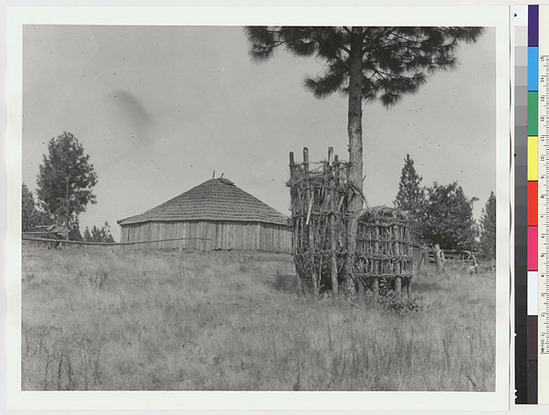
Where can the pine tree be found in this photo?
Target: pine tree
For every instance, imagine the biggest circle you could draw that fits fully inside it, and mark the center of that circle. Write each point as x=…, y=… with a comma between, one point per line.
x=87, y=235
x=488, y=228
x=446, y=217
x=96, y=234
x=409, y=194
x=367, y=64
x=107, y=236
x=30, y=215
x=74, y=229
x=66, y=179
x=28, y=210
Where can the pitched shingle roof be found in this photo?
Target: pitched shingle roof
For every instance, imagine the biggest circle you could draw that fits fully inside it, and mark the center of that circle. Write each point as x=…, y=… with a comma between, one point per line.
x=215, y=200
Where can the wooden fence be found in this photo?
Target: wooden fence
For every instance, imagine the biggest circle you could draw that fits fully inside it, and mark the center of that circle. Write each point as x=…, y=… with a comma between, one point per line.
x=52, y=240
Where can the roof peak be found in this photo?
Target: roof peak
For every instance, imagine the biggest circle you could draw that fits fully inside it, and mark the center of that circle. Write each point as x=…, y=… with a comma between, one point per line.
x=222, y=180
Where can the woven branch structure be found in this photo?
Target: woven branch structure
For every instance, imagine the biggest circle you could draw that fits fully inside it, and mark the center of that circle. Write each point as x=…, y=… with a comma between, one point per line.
x=320, y=196
x=384, y=251
x=321, y=193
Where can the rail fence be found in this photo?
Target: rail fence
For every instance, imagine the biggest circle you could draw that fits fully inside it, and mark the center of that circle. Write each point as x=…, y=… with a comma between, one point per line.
x=25, y=237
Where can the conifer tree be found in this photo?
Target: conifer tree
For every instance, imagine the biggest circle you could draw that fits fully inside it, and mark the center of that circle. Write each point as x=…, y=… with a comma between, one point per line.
x=30, y=215
x=106, y=232
x=96, y=234
x=488, y=228
x=74, y=230
x=66, y=180
x=87, y=235
x=446, y=217
x=409, y=194
x=366, y=63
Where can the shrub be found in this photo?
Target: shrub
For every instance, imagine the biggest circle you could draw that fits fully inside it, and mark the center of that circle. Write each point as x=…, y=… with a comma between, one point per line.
x=398, y=303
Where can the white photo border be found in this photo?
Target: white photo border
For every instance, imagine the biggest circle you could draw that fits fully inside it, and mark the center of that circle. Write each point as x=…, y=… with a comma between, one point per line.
x=487, y=16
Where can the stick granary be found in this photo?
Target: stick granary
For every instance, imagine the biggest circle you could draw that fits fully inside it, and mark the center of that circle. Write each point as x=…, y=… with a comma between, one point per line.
x=384, y=250
x=320, y=197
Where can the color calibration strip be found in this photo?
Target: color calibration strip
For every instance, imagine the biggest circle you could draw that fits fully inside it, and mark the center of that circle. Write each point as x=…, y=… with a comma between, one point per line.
x=532, y=283
x=527, y=159
x=523, y=394
x=531, y=134
x=541, y=108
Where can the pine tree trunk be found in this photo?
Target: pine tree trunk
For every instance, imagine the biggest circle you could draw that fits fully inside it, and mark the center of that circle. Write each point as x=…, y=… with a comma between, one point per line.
x=354, y=130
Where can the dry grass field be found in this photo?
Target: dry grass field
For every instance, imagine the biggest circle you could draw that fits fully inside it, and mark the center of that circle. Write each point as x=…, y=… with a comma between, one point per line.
x=129, y=320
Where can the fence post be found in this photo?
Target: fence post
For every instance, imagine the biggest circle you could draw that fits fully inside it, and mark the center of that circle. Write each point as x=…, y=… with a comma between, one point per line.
x=398, y=286
x=375, y=287
x=439, y=257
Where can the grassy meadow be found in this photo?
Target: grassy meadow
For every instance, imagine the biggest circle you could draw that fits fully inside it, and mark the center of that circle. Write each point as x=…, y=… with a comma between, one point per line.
x=100, y=319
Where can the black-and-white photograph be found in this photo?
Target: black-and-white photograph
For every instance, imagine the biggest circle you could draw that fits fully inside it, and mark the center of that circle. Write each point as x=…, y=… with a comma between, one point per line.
x=258, y=208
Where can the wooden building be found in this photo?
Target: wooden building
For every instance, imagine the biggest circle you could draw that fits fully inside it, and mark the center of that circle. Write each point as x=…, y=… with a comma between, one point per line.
x=218, y=214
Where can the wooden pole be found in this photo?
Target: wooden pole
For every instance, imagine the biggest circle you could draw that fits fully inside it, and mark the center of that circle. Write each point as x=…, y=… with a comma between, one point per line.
x=439, y=257
x=375, y=287
x=181, y=268
x=309, y=209
x=423, y=257
x=311, y=238
x=292, y=193
x=398, y=263
x=377, y=251
x=296, y=219
x=361, y=290
x=333, y=236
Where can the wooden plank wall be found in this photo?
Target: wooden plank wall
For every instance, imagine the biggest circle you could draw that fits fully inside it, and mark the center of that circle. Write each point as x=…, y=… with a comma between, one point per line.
x=221, y=235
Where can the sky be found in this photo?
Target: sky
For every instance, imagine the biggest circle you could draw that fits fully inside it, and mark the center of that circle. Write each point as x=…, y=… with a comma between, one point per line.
x=160, y=108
